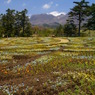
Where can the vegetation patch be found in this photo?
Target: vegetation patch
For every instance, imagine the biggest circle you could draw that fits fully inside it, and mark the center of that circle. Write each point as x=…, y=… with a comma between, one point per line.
x=48, y=66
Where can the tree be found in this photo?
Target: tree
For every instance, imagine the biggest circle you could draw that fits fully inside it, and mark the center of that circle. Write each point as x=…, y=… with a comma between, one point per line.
x=91, y=21
x=24, y=20
x=1, y=28
x=59, y=31
x=70, y=28
x=8, y=21
x=22, y=24
x=79, y=12
x=17, y=23
x=28, y=30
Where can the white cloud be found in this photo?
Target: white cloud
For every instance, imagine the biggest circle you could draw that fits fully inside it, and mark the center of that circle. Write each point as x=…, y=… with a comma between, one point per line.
x=56, y=13
x=47, y=6
x=9, y=1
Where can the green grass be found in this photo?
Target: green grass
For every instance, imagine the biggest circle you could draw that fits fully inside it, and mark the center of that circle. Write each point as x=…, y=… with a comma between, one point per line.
x=89, y=33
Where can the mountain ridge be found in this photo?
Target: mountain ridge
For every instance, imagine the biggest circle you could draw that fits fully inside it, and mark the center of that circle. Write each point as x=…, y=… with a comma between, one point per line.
x=48, y=19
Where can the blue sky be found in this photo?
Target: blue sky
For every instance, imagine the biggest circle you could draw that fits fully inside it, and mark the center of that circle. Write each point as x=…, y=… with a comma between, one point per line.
x=39, y=6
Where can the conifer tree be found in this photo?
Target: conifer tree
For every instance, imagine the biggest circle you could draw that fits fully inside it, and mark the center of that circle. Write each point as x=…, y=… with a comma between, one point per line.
x=78, y=12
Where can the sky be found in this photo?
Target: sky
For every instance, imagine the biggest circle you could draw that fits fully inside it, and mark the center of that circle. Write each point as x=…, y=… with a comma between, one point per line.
x=54, y=7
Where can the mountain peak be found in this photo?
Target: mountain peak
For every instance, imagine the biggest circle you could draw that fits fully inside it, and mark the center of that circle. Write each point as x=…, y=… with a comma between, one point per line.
x=56, y=13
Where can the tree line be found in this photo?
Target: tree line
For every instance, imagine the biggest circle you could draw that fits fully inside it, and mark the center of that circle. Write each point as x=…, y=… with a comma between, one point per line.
x=14, y=23
x=80, y=17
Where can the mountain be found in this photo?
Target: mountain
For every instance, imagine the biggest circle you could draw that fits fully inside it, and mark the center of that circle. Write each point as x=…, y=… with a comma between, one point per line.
x=48, y=20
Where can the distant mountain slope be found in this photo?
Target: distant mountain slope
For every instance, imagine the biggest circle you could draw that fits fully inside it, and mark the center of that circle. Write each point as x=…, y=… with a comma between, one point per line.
x=48, y=19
